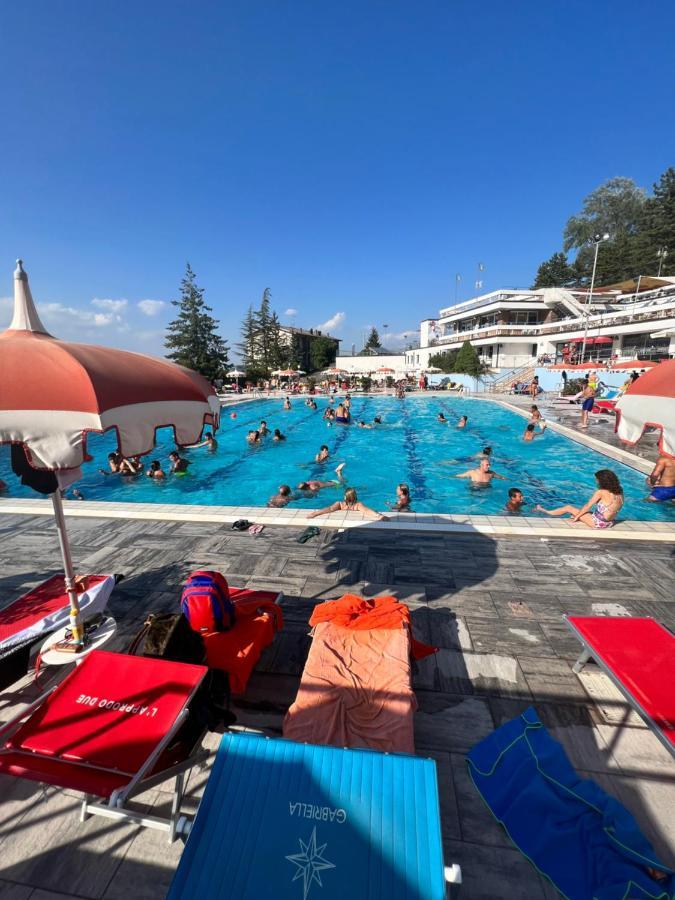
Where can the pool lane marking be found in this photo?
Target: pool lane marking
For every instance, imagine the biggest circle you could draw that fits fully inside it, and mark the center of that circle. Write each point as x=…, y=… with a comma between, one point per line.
x=415, y=467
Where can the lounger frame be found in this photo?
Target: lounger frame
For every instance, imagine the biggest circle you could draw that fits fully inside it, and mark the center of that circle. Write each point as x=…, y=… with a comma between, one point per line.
x=589, y=652
x=115, y=806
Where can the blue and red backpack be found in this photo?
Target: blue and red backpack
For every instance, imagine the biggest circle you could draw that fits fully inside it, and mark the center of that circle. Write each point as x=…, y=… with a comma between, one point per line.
x=205, y=602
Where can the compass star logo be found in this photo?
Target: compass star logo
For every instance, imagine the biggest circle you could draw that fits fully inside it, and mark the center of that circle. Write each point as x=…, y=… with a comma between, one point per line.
x=310, y=863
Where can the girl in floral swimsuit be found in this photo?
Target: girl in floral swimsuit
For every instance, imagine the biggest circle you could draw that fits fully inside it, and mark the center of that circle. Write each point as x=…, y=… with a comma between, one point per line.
x=607, y=500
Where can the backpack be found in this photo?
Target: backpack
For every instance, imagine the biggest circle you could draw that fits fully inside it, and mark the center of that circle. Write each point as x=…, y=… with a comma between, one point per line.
x=205, y=602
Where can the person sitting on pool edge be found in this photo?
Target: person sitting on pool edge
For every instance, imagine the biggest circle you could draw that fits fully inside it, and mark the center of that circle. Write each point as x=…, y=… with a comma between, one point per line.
x=179, y=465
x=282, y=498
x=155, y=470
x=530, y=434
x=462, y=422
x=402, y=499
x=516, y=501
x=278, y=436
x=607, y=499
x=323, y=454
x=662, y=481
x=351, y=503
x=481, y=476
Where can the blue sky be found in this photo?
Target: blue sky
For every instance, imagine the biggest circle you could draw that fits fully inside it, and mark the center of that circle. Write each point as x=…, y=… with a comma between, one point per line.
x=351, y=156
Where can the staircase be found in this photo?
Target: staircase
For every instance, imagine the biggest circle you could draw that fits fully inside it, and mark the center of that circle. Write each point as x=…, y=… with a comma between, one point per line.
x=502, y=385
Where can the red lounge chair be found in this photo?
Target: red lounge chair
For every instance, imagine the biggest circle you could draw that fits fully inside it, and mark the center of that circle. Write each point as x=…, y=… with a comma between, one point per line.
x=111, y=729
x=638, y=655
x=258, y=618
x=42, y=610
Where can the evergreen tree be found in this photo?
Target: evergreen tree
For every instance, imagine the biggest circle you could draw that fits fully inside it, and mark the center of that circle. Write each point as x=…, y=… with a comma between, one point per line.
x=467, y=360
x=295, y=353
x=249, y=338
x=446, y=362
x=263, y=320
x=373, y=342
x=554, y=272
x=193, y=337
x=278, y=350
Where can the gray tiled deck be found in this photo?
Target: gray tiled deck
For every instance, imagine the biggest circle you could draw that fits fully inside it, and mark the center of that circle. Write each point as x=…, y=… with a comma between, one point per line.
x=494, y=606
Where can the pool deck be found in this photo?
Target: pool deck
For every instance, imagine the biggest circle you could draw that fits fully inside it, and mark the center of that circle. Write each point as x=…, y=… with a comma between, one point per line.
x=493, y=604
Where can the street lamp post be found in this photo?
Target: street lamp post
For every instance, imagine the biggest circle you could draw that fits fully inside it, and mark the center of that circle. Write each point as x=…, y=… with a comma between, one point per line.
x=661, y=256
x=596, y=240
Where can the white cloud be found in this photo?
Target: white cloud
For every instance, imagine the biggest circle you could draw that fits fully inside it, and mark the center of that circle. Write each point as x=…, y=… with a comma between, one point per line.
x=151, y=307
x=61, y=313
x=291, y=312
x=333, y=323
x=102, y=319
x=113, y=306
x=399, y=337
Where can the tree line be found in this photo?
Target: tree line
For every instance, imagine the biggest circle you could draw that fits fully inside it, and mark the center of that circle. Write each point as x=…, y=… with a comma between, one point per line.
x=641, y=230
x=465, y=361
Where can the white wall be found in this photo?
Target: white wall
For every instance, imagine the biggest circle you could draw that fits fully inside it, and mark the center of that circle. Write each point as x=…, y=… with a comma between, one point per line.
x=364, y=365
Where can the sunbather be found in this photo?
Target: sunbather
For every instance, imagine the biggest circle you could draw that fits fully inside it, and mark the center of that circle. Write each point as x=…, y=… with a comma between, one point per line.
x=608, y=500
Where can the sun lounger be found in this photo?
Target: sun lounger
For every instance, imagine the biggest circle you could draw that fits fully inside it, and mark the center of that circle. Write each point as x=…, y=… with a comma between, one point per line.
x=115, y=726
x=258, y=618
x=638, y=655
x=44, y=609
x=356, y=685
x=296, y=822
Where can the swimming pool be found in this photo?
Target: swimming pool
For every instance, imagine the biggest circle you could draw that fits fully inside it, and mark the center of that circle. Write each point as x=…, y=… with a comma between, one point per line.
x=410, y=446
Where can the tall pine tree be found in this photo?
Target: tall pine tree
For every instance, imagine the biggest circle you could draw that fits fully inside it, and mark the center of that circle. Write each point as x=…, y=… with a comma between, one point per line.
x=193, y=337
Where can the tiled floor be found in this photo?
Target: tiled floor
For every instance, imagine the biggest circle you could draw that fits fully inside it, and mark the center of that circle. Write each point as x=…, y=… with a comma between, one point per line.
x=492, y=604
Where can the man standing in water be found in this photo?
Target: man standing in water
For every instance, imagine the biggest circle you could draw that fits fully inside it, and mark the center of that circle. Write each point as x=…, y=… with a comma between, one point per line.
x=481, y=476
x=662, y=480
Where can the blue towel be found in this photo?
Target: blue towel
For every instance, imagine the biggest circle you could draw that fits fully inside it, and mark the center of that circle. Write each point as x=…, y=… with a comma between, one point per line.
x=578, y=836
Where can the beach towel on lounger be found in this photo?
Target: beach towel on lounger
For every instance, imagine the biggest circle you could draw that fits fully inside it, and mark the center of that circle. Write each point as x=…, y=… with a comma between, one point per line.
x=355, y=689
x=582, y=839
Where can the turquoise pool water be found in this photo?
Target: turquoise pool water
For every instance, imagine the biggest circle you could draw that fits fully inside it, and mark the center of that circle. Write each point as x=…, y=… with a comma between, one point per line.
x=410, y=446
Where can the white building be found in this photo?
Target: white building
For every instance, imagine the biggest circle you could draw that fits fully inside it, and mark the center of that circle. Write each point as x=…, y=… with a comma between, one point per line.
x=511, y=329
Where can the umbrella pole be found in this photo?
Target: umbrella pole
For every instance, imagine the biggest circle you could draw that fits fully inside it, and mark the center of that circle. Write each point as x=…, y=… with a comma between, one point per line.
x=75, y=626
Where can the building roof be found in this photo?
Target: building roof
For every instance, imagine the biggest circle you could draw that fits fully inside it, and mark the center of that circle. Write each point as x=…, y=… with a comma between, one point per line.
x=311, y=332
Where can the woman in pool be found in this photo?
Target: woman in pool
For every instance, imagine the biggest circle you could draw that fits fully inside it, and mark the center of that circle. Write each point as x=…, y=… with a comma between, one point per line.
x=278, y=436
x=253, y=437
x=287, y=403
x=462, y=422
x=351, y=503
x=608, y=500
x=402, y=499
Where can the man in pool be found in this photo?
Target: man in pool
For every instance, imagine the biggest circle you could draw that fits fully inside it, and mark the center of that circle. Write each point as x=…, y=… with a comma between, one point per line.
x=662, y=481
x=323, y=454
x=363, y=424
x=441, y=418
x=179, y=465
x=530, y=434
x=278, y=436
x=282, y=498
x=482, y=476
x=253, y=437
x=462, y=422
x=515, y=502
x=155, y=471
x=287, y=403
x=209, y=442
x=263, y=429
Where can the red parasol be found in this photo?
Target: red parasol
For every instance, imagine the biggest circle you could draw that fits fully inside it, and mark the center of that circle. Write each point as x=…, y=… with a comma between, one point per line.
x=53, y=393
x=649, y=402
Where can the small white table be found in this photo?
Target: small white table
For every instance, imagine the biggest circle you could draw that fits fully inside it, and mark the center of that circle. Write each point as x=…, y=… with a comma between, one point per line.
x=49, y=657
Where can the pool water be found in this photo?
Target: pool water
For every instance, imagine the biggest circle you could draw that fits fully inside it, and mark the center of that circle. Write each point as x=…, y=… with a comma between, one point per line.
x=410, y=446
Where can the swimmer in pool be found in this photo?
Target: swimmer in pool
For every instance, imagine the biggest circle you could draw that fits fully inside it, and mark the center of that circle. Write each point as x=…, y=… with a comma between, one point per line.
x=323, y=454
x=312, y=487
x=287, y=403
x=402, y=503
x=155, y=471
x=530, y=434
x=462, y=422
x=263, y=429
x=278, y=436
x=516, y=501
x=363, y=424
x=441, y=418
x=662, y=481
x=482, y=476
x=209, y=442
x=253, y=437
x=282, y=498
x=377, y=420
x=179, y=465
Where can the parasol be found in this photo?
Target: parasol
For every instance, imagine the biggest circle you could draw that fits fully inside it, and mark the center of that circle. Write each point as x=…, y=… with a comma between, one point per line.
x=235, y=373
x=53, y=393
x=649, y=403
